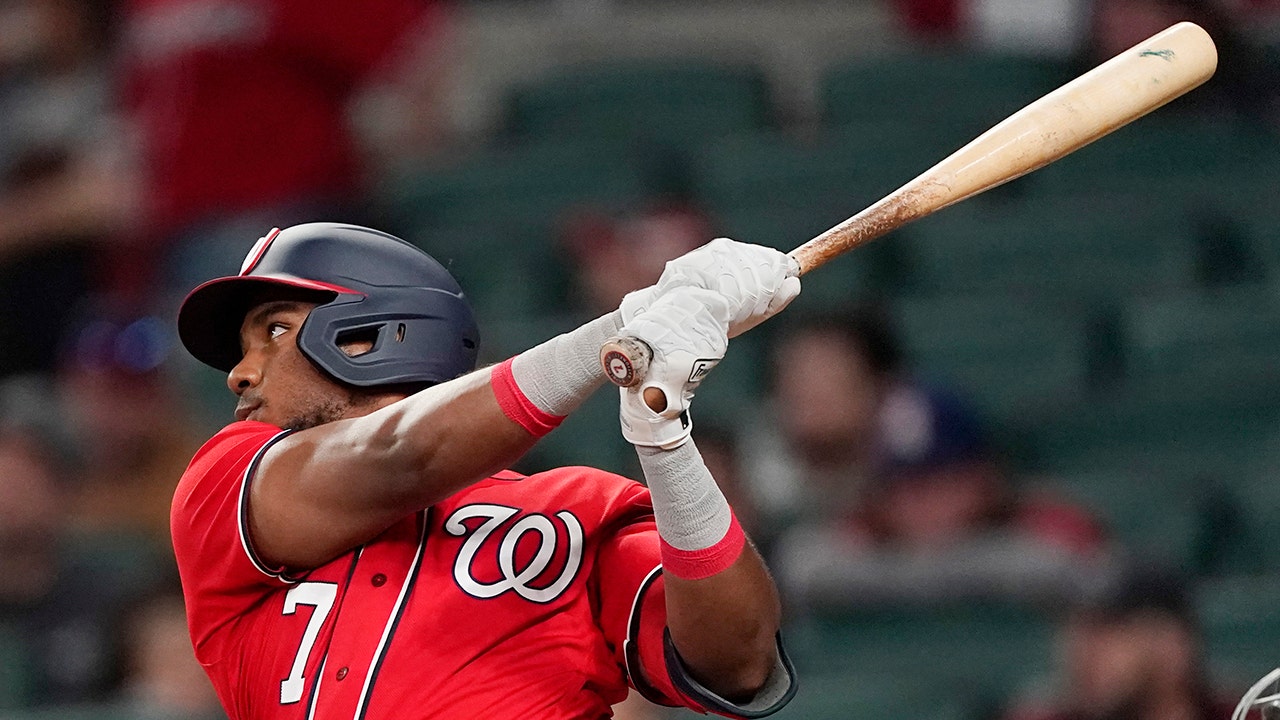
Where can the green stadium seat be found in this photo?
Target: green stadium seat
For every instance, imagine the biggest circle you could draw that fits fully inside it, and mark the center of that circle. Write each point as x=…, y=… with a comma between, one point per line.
x=988, y=649
x=948, y=88
x=1230, y=332
x=1007, y=357
x=532, y=184
x=1056, y=251
x=834, y=173
x=1156, y=515
x=1172, y=159
x=1263, y=225
x=1241, y=625
x=14, y=689
x=110, y=711
x=1155, y=429
x=841, y=694
x=1254, y=495
x=510, y=271
x=666, y=101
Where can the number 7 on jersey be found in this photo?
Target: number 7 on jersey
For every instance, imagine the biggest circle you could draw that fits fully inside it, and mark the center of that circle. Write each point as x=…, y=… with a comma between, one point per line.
x=319, y=595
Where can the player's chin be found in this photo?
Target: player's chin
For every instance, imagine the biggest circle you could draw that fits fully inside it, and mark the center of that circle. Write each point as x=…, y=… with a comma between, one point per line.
x=313, y=417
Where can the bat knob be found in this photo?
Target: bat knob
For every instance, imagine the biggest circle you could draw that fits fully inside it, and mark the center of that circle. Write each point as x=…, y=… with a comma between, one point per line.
x=625, y=360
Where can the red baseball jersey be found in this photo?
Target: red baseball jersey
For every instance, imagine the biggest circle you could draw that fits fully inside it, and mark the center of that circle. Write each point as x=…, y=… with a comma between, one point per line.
x=519, y=597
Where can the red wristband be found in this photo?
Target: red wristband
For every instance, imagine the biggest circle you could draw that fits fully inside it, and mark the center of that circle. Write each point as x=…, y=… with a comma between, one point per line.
x=699, y=564
x=516, y=406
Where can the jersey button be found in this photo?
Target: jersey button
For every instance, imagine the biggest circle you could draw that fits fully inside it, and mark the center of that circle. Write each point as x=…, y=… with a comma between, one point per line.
x=342, y=673
x=379, y=580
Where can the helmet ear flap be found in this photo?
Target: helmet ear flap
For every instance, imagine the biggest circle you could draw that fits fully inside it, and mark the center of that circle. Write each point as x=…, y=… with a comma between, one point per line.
x=415, y=335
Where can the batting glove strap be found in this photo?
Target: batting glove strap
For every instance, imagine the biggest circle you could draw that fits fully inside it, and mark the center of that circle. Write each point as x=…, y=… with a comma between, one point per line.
x=644, y=428
x=755, y=281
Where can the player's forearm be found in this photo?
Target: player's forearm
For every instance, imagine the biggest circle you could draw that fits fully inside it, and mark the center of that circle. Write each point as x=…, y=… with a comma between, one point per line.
x=450, y=436
x=441, y=440
x=722, y=606
x=725, y=626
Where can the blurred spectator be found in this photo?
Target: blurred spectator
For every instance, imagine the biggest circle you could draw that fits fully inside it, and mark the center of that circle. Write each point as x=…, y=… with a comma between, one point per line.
x=1131, y=649
x=720, y=450
x=59, y=601
x=243, y=108
x=613, y=255
x=1032, y=28
x=899, y=497
x=938, y=20
x=832, y=376
x=133, y=432
x=163, y=680
x=64, y=183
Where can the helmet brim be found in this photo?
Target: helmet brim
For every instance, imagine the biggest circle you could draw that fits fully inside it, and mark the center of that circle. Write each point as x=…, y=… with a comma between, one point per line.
x=210, y=317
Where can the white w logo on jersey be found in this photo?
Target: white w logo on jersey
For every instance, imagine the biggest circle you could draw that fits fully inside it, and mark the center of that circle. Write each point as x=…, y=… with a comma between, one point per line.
x=513, y=579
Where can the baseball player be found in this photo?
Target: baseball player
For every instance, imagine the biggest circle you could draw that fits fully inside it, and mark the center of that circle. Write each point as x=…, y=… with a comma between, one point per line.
x=352, y=546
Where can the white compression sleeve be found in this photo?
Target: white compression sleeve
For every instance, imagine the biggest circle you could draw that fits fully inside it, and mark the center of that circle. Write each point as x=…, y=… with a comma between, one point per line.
x=691, y=511
x=559, y=374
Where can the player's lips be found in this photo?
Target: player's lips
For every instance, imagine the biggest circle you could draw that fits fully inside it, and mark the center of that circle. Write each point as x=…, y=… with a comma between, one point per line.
x=244, y=409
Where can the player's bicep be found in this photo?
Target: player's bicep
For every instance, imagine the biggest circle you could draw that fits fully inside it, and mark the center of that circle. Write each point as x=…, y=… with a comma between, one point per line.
x=312, y=496
x=320, y=492
x=632, y=612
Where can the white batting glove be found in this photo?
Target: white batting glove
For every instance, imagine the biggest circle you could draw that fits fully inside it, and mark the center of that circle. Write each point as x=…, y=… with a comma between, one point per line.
x=684, y=329
x=756, y=281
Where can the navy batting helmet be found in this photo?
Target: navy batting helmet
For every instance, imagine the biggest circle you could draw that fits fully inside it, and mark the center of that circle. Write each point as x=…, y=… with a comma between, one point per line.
x=369, y=285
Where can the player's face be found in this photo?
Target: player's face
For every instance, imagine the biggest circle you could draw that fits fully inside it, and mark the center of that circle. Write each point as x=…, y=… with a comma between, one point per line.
x=275, y=382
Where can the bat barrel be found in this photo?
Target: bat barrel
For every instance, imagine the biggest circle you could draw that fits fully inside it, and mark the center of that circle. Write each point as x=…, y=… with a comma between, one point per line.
x=1117, y=92
x=1108, y=97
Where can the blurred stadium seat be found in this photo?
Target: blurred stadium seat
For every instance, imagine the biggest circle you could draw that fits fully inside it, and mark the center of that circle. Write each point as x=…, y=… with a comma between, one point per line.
x=1241, y=625
x=840, y=694
x=987, y=650
x=1068, y=250
x=1230, y=334
x=833, y=173
x=1124, y=501
x=1009, y=356
x=649, y=101
x=530, y=183
x=1163, y=156
x=962, y=89
x=658, y=108
x=13, y=664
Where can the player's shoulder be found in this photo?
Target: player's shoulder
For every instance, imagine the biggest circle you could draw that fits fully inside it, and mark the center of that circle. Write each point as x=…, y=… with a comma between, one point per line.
x=233, y=445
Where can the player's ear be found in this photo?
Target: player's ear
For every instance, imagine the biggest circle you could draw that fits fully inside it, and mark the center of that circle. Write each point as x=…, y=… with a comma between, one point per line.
x=358, y=341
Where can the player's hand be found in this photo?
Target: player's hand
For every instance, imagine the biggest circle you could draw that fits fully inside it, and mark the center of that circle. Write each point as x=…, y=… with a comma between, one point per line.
x=686, y=331
x=756, y=282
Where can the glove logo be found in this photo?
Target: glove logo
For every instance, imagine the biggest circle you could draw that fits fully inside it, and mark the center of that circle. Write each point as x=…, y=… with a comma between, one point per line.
x=701, y=368
x=528, y=582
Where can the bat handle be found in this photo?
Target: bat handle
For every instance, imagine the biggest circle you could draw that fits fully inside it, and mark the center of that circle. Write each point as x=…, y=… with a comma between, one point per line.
x=625, y=360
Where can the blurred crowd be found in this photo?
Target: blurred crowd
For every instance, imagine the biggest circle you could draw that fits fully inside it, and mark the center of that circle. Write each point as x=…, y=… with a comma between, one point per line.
x=144, y=145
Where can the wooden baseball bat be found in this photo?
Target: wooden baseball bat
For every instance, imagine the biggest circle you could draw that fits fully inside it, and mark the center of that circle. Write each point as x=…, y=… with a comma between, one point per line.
x=1102, y=100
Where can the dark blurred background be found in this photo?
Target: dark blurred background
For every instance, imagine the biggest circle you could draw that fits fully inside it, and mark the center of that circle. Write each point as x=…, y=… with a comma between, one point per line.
x=1017, y=460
